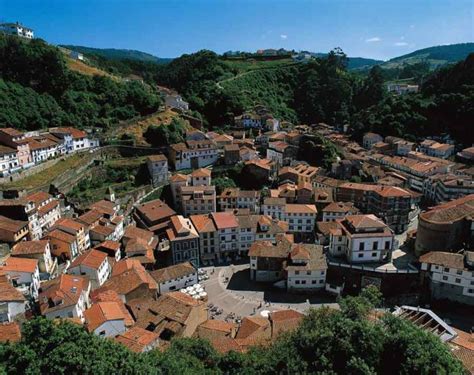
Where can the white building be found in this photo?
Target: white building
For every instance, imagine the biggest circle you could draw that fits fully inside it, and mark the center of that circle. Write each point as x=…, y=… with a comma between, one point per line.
x=40, y=250
x=93, y=264
x=16, y=29
x=274, y=207
x=193, y=154
x=175, y=277
x=338, y=210
x=176, y=101
x=158, y=169
x=436, y=149
x=105, y=319
x=450, y=275
x=67, y=296
x=362, y=238
x=24, y=274
x=12, y=301
x=306, y=268
x=9, y=162
x=301, y=218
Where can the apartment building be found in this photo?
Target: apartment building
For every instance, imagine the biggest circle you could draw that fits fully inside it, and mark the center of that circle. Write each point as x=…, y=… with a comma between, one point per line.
x=274, y=207
x=184, y=240
x=193, y=154
x=197, y=199
x=301, y=218
x=338, y=210
x=392, y=204
x=227, y=233
x=442, y=188
x=362, y=239
x=436, y=149
x=257, y=227
x=158, y=169
x=449, y=275
x=235, y=198
x=446, y=227
x=9, y=162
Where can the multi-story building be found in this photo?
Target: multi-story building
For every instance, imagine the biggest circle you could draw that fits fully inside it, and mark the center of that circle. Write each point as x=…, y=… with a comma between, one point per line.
x=16, y=29
x=235, y=198
x=392, y=204
x=66, y=296
x=274, y=207
x=74, y=139
x=446, y=227
x=281, y=153
x=301, y=218
x=208, y=238
x=12, y=301
x=12, y=231
x=227, y=233
x=362, y=238
x=40, y=250
x=370, y=139
x=175, y=277
x=442, y=188
x=258, y=227
x=193, y=154
x=15, y=139
x=436, y=149
x=93, y=264
x=184, y=240
x=158, y=169
x=9, y=162
x=449, y=276
x=338, y=210
x=306, y=268
x=24, y=274
x=154, y=215
x=76, y=229
x=299, y=174
x=63, y=245
x=197, y=199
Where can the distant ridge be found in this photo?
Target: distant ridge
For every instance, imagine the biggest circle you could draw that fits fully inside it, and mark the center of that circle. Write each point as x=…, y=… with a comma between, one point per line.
x=119, y=54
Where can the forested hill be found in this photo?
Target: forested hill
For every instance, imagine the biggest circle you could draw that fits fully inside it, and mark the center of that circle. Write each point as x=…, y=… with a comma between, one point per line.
x=118, y=54
x=37, y=90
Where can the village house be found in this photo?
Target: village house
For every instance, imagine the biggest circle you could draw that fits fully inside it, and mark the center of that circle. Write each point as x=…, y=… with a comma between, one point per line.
x=74, y=139
x=140, y=244
x=12, y=301
x=301, y=218
x=446, y=227
x=281, y=153
x=112, y=249
x=139, y=340
x=176, y=101
x=39, y=250
x=274, y=207
x=208, y=238
x=436, y=149
x=247, y=153
x=175, y=277
x=361, y=239
x=466, y=154
x=158, y=169
x=16, y=29
x=227, y=232
x=262, y=170
x=66, y=296
x=24, y=274
x=370, y=139
x=9, y=162
x=12, y=231
x=231, y=154
x=130, y=281
x=299, y=174
x=154, y=215
x=93, y=264
x=76, y=229
x=193, y=154
x=184, y=240
x=306, y=268
x=105, y=319
x=449, y=276
x=172, y=315
x=15, y=139
x=63, y=245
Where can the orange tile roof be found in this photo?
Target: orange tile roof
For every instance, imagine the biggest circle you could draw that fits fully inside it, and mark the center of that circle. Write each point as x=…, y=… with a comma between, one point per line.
x=29, y=247
x=10, y=332
x=63, y=291
x=224, y=220
x=10, y=225
x=15, y=264
x=61, y=236
x=155, y=210
x=91, y=259
x=69, y=223
x=137, y=339
x=8, y=292
x=203, y=223
x=38, y=197
x=301, y=208
x=112, y=296
x=201, y=172
x=102, y=312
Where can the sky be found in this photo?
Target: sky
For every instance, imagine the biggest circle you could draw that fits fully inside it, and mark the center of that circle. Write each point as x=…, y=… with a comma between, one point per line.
x=379, y=29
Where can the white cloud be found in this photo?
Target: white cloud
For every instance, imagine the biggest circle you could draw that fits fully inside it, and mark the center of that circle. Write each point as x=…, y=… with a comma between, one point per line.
x=375, y=39
x=283, y=36
x=401, y=44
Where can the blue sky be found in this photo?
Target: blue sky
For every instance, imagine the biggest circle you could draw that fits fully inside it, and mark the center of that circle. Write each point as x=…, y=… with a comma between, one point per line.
x=370, y=28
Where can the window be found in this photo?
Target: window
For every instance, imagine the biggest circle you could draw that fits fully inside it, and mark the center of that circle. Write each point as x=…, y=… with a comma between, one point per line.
x=458, y=281
x=445, y=278
x=321, y=281
x=308, y=272
x=387, y=245
x=361, y=246
x=459, y=272
x=446, y=269
x=375, y=246
x=297, y=272
x=374, y=255
x=313, y=282
x=303, y=281
x=297, y=282
x=361, y=255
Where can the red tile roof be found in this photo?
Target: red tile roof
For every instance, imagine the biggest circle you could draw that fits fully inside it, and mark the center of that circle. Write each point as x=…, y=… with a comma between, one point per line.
x=10, y=332
x=91, y=259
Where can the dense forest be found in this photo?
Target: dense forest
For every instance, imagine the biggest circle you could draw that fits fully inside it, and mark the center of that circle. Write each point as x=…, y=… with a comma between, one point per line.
x=37, y=90
x=328, y=341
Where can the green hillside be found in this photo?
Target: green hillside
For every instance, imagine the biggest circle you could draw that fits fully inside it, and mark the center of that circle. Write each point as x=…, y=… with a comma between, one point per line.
x=118, y=54
x=434, y=56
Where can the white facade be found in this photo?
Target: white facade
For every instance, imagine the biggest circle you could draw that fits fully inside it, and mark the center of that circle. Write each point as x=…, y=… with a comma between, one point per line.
x=300, y=222
x=275, y=156
x=370, y=249
x=96, y=276
x=16, y=29
x=10, y=309
x=158, y=169
x=178, y=283
x=9, y=163
x=71, y=311
x=29, y=282
x=309, y=279
x=111, y=328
